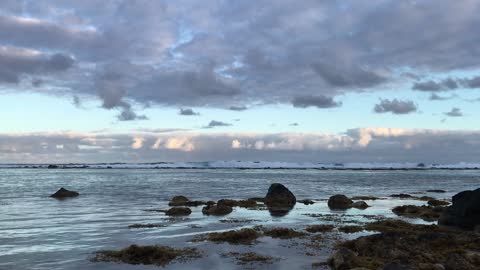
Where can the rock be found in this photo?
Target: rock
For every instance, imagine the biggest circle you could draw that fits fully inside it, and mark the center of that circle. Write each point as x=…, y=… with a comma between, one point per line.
x=184, y=201
x=217, y=210
x=464, y=211
x=343, y=259
x=397, y=266
x=435, y=202
x=279, y=195
x=306, y=201
x=339, y=202
x=52, y=166
x=360, y=205
x=279, y=200
x=427, y=213
x=401, y=196
x=365, y=198
x=436, y=191
x=178, y=211
x=240, y=203
x=64, y=193
x=178, y=201
x=457, y=262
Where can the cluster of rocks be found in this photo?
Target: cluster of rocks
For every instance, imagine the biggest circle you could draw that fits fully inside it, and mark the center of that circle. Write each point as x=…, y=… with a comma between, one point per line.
x=342, y=202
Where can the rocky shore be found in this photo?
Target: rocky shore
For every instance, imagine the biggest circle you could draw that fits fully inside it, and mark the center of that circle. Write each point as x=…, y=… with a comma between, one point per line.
x=450, y=239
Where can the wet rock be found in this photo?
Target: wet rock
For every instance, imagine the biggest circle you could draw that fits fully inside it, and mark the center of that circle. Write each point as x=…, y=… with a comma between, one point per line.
x=360, y=205
x=435, y=202
x=250, y=258
x=339, y=202
x=436, y=191
x=350, y=229
x=148, y=255
x=240, y=203
x=64, y=193
x=283, y=233
x=401, y=196
x=427, y=213
x=243, y=236
x=178, y=211
x=279, y=195
x=401, y=245
x=217, y=210
x=365, y=198
x=319, y=228
x=343, y=259
x=184, y=201
x=306, y=201
x=464, y=211
x=397, y=266
x=52, y=166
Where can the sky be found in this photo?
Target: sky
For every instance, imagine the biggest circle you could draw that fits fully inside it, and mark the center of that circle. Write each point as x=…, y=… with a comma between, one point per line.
x=298, y=81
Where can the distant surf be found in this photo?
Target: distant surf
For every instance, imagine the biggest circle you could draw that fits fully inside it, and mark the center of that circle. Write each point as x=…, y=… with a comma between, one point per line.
x=250, y=165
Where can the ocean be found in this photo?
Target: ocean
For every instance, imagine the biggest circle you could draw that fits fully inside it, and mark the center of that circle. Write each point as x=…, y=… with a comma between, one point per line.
x=39, y=232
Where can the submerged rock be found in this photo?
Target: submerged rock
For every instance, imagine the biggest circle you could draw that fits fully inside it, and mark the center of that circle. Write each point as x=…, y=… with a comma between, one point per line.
x=237, y=237
x=178, y=211
x=64, y=193
x=435, y=202
x=339, y=202
x=436, y=191
x=306, y=201
x=464, y=211
x=148, y=255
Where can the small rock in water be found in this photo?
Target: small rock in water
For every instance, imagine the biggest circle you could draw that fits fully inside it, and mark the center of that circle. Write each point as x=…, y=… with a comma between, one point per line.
x=178, y=211
x=401, y=196
x=464, y=211
x=306, y=201
x=435, y=202
x=360, y=205
x=339, y=202
x=220, y=209
x=64, y=193
x=178, y=201
x=436, y=191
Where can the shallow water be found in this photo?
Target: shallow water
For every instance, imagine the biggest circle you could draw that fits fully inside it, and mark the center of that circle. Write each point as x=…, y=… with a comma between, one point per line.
x=38, y=232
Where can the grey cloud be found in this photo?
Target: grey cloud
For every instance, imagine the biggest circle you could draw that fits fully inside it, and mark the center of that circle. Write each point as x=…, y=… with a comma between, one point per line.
x=215, y=123
x=455, y=112
x=188, y=112
x=432, y=86
x=347, y=76
x=472, y=82
x=395, y=106
x=237, y=108
x=294, y=124
x=315, y=101
x=435, y=97
x=16, y=62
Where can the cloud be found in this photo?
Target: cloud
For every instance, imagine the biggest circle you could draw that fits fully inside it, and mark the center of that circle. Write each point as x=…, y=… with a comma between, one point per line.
x=237, y=108
x=188, y=112
x=455, y=112
x=347, y=76
x=472, y=82
x=294, y=125
x=395, y=106
x=354, y=145
x=315, y=101
x=215, y=123
x=15, y=62
x=435, y=97
x=431, y=86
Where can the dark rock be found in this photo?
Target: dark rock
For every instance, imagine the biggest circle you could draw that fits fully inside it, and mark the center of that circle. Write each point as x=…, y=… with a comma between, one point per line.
x=397, y=266
x=436, y=191
x=435, y=202
x=365, y=198
x=456, y=261
x=401, y=196
x=306, y=202
x=64, y=193
x=339, y=202
x=178, y=211
x=178, y=201
x=52, y=167
x=464, y=211
x=427, y=213
x=343, y=259
x=360, y=205
x=217, y=210
x=279, y=195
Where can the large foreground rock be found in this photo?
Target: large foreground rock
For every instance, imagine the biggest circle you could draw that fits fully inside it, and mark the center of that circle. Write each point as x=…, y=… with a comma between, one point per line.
x=279, y=195
x=64, y=193
x=464, y=211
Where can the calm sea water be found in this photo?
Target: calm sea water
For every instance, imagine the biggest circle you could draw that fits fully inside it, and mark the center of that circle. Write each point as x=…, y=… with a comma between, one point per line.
x=38, y=232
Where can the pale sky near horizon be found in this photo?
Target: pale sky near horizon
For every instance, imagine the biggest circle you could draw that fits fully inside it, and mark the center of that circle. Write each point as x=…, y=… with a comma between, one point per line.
x=139, y=81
